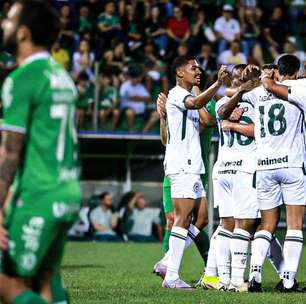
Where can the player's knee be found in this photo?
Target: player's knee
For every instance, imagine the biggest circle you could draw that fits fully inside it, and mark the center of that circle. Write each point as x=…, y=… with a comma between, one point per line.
x=129, y=113
x=116, y=112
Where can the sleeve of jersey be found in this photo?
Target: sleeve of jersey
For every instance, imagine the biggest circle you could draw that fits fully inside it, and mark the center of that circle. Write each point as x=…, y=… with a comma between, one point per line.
x=297, y=95
x=16, y=105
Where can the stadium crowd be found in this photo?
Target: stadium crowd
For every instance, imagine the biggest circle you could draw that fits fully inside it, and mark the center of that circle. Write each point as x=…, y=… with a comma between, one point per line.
x=135, y=41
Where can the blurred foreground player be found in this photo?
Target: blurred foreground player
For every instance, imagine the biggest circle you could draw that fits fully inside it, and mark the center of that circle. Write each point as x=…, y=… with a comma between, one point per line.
x=38, y=156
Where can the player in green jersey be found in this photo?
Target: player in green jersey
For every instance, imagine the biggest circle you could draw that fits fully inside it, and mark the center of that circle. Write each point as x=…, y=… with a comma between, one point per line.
x=38, y=156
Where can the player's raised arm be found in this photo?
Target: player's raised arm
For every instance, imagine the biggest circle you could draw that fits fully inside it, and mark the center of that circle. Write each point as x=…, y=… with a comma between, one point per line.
x=244, y=129
x=199, y=101
x=226, y=110
x=206, y=119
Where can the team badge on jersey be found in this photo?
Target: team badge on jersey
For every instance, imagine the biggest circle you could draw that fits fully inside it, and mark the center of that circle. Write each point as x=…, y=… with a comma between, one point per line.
x=196, y=187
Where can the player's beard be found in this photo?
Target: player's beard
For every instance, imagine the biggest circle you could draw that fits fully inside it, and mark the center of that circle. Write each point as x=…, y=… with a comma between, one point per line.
x=10, y=43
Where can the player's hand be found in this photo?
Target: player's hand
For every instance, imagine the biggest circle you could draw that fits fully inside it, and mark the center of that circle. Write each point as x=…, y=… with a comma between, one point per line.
x=267, y=78
x=236, y=114
x=3, y=234
x=223, y=75
x=161, y=105
x=226, y=125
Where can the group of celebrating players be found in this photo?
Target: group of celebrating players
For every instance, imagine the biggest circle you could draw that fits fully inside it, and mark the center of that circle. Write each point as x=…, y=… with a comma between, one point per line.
x=260, y=166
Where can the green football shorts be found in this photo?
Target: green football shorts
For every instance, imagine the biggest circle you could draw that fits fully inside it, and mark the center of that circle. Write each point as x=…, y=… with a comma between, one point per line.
x=37, y=227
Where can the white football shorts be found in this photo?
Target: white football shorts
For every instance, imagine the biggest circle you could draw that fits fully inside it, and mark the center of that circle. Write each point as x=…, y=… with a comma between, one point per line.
x=223, y=190
x=278, y=186
x=186, y=185
x=244, y=196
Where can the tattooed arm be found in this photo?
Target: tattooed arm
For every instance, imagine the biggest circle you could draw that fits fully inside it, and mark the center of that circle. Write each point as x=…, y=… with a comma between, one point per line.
x=10, y=153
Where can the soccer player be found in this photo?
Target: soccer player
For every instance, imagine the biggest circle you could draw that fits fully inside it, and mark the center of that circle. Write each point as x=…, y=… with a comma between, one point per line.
x=183, y=163
x=202, y=239
x=280, y=178
x=38, y=156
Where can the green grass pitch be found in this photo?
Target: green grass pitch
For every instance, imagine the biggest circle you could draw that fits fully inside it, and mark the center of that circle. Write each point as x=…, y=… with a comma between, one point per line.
x=122, y=273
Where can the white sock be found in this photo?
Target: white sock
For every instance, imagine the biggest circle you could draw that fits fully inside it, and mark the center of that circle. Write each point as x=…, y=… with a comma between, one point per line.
x=211, y=265
x=223, y=243
x=193, y=231
x=164, y=260
x=293, y=246
x=176, y=249
x=239, y=251
x=275, y=255
x=260, y=247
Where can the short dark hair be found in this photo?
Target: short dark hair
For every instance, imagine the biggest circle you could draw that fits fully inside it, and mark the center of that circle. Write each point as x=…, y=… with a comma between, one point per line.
x=252, y=74
x=288, y=65
x=42, y=20
x=270, y=66
x=103, y=194
x=240, y=66
x=179, y=62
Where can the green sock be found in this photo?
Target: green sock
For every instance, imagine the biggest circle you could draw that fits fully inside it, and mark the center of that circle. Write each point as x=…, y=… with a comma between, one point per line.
x=202, y=243
x=29, y=297
x=166, y=240
x=59, y=292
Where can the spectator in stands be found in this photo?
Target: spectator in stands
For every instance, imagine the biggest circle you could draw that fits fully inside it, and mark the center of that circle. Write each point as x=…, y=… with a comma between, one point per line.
x=227, y=28
x=83, y=60
x=68, y=33
x=250, y=30
x=84, y=104
x=155, y=29
x=85, y=23
x=276, y=30
x=60, y=55
x=134, y=96
x=140, y=220
x=108, y=101
x=290, y=48
x=103, y=220
x=206, y=59
x=182, y=49
x=109, y=25
x=132, y=28
x=178, y=28
x=233, y=55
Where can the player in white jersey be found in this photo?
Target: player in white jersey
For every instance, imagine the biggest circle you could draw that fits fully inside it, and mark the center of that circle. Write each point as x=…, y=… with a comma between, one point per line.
x=183, y=163
x=223, y=197
x=280, y=178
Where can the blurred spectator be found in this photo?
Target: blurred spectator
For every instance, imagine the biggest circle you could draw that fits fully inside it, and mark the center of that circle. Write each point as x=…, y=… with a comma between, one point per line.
x=232, y=56
x=250, y=30
x=227, y=28
x=60, y=55
x=201, y=32
x=133, y=95
x=109, y=25
x=275, y=31
x=83, y=60
x=155, y=29
x=68, y=35
x=178, y=28
x=132, y=28
x=85, y=23
x=103, y=220
x=289, y=48
x=140, y=220
x=206, y=59
x=85, y=101
x=108, y=101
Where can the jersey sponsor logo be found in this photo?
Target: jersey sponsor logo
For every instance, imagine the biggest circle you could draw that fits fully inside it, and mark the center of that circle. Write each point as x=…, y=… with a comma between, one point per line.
x=66, y=174
x=31, y=233
x=236, y=163
x=28, y=261
x=268, y=96
x=272, y=161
